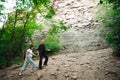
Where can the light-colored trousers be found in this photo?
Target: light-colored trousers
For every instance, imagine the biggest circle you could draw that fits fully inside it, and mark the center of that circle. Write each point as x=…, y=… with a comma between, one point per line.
x=26, y=63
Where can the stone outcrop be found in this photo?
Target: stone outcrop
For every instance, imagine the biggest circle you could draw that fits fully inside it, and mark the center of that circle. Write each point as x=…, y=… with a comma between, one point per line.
x=86, y=33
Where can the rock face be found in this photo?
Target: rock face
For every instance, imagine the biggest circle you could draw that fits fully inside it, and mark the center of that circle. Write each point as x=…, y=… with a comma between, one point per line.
x=85, y=34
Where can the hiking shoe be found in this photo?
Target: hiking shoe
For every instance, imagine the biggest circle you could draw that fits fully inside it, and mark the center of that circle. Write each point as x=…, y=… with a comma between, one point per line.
x=32, y=71
x=40, y=68
x=45, y=65
x=20, y=74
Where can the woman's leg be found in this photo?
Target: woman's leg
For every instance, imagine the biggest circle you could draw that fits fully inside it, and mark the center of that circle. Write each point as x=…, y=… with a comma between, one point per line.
x=31, y=62
x=23, y=67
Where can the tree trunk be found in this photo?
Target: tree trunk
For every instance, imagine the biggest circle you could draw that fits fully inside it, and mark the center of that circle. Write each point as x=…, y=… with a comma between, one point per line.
x=23, y=35
x=1, y=33
x=10, y=52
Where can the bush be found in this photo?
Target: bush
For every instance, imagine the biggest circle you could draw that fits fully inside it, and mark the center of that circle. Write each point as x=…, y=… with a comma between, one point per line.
x=113, y=36
x=53, y=44
x=17, y=60
x=3, y=62
x=110, y=19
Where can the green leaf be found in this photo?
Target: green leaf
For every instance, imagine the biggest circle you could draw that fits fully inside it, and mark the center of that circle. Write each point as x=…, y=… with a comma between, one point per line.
x=1, y=6
x=51, y=13
x=3, y=0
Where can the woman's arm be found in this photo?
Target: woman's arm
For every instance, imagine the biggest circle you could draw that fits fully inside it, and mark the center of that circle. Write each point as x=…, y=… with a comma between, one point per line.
x=26, y=58
x=34, y=54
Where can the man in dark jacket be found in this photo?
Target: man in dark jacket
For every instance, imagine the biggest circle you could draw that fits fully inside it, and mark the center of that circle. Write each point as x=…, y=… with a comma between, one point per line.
x=42, y=54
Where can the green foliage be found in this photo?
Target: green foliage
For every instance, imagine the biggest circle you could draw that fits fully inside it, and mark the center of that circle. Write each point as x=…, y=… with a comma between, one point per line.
x=40, y=2
x=1, y=8
x=3, y=61
x=31, y=27
x=53, y=44
x=113, y=37
x=17, y=60
x=52, y=40
x=3, y=0
x=58, y=27
x=51, y=13
x=105, y=11
x=115, y=2
x=14, y=34
x=111, y=16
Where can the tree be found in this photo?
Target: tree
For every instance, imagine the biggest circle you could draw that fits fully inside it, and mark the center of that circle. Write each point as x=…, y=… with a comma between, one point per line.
x=20, y=25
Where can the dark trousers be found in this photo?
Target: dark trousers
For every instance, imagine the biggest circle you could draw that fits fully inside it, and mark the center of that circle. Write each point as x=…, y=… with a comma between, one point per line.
x=41, y=58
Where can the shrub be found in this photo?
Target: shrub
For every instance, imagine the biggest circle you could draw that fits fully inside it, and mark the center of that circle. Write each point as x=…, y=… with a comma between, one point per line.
x=110, y=17
x=17, y=60
x=53, y=44
x=3, y=61
x=113, y=36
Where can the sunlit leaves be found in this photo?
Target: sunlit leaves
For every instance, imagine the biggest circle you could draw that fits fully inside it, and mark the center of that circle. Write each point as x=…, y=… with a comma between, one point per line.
x=115, y=2
x=40, y=2
x=51, y=12
x=42, y=6
x=1, y=8
x=53, y=44
x=58, y=28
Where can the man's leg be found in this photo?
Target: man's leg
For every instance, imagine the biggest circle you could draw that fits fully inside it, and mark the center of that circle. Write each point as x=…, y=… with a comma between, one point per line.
x=40, y=62
x=46, y=59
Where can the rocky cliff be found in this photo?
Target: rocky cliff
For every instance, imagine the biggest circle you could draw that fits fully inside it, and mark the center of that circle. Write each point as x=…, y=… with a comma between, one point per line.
x=86, y=33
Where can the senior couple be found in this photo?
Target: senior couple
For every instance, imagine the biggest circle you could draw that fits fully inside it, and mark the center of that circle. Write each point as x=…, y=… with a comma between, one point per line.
x=28, y=59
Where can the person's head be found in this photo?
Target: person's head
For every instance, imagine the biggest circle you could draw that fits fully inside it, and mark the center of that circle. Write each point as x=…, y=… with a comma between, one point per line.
x=31, y=47
x=42, y=41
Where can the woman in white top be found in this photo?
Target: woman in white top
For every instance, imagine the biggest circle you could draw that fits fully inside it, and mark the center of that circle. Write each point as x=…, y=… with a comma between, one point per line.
x=28, y=59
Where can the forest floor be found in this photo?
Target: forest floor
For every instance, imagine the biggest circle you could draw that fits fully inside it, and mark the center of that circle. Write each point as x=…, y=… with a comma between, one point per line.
x=93, y=65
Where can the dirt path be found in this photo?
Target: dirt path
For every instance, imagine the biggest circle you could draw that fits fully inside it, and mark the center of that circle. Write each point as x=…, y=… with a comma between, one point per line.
x=94, y=65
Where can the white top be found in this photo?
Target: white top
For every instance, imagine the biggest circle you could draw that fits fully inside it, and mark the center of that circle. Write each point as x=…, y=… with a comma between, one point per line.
x=30, y=52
